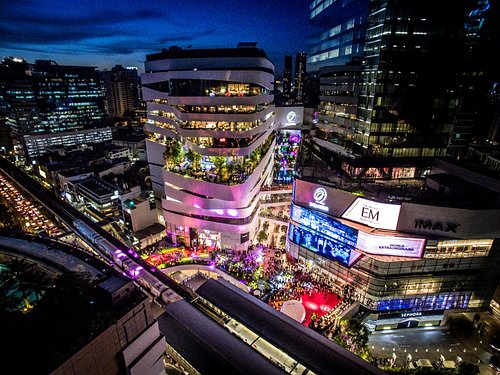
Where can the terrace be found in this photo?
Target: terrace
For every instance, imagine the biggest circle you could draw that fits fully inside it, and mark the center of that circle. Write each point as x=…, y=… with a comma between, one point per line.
x=227, y=170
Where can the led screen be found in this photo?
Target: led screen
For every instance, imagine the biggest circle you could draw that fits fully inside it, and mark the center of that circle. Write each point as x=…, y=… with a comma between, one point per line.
x=441, y=301
x=322, y=245
x=369, y=243
x=386, y=245
x=324, y=225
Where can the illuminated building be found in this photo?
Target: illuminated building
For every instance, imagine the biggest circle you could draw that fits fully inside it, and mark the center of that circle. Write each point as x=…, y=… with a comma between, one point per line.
x=336, y=32
x=287, y=77
x=210, y=143
x=300, y=75
x=409, y=253
x=415, y=91
x=46, y=98
x=118, y=88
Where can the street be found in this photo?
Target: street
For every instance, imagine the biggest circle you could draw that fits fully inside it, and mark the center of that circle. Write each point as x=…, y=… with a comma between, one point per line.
x=457, y=338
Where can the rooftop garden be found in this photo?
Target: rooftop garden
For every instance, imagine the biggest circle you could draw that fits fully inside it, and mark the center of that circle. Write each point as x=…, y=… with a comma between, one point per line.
x=229, y=170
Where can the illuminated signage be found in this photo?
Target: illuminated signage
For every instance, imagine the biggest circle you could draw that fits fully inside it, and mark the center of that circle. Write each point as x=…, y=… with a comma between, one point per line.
x=348, y=236
x=323, y=245
x=436, y=225
x=411, y=314
x=386, y=245
x=291, y=118
x=374, y=214
x=319, y=197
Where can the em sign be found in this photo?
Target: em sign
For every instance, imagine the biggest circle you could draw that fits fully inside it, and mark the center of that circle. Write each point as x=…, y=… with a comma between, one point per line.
x=319, y=197
x=374, y=214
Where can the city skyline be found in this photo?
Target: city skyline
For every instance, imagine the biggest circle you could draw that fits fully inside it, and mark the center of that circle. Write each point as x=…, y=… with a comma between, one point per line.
x=103, y=34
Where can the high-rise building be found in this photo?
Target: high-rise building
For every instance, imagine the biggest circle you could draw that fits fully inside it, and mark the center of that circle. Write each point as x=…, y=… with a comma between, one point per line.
x=47, y=98
x=300, y=75
x=287, y=77
x=336, y=32
x=69, y=97
x=388, y=113
x=118, y=91
x=210, y=141
x=478, y=76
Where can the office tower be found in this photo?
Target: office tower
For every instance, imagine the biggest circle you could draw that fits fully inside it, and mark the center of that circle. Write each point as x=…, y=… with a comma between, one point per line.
x=118, y=91
x=404, y=98
x=478, y=77
x=336, y=32
x=300, y=75
x=19, y=108
x=210, y=141
x=47, y=98
x=69, y=97
x=135, y=82
x=287, y=77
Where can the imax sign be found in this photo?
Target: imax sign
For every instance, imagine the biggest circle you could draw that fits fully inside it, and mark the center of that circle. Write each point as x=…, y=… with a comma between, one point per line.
x=436, y=225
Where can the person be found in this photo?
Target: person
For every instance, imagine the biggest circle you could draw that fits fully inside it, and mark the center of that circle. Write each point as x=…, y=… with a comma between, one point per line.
x=321, y=244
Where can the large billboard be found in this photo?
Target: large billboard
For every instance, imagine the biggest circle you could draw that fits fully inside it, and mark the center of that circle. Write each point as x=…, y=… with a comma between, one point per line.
x=356, y=239
x=374, y=214
x=322, y=245
x=389, y=245
x=324, y=225
x=321, y=198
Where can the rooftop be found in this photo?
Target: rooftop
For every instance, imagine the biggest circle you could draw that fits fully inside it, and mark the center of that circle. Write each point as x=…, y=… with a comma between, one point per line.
x=175, y=53
x=306, y=346
x=207, y=346
x=460, y=185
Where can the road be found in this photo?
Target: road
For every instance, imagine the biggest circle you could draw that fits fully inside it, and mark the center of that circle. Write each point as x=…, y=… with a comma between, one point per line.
x=458, y=338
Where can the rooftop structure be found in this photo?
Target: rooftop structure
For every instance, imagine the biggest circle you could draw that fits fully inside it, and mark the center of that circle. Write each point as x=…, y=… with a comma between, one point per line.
x=280, y=337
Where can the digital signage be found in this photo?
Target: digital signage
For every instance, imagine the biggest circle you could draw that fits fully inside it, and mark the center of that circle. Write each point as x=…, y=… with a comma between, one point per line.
x=354, y=238
x=374, y=214
x=324, y=225
x=389, y=245
x=322, y=245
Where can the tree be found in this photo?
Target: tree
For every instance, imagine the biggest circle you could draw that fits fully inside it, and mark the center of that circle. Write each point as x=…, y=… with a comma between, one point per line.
x=219, y=162
x=194, y=158
x=262, y=236
x=173, y=152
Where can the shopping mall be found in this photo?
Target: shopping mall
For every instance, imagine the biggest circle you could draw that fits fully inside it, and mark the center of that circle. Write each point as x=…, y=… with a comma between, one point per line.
x=405, y=257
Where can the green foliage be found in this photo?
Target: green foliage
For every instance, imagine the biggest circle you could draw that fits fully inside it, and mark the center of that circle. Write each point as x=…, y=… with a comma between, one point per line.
x=194, y=158
x=173, y=152
x=352, y=335
x=219, y=162
x=262, y=236
x=27, y=278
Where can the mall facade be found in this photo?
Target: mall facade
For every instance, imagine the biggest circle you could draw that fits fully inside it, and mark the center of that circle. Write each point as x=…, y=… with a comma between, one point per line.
x=408, y=261
x=211, y=136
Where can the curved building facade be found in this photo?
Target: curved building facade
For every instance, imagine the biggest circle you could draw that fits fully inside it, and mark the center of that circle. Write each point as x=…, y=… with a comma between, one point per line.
x=211, y=124
x=408, y=259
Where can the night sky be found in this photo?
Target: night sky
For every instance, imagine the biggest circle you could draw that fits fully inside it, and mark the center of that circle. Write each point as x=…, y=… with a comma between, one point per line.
x=103, y=33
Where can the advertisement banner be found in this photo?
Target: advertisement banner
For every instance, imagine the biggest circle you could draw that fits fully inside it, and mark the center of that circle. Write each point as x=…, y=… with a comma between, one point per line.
x=388, y=245
x=353, y=238
x=374, y=214
x=322, y=245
